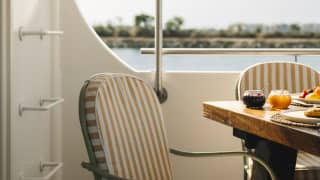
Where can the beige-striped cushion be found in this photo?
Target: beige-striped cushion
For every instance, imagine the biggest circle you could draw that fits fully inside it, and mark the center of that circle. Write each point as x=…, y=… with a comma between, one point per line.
x=92, y=125
x=294, y=77
x=130, y=125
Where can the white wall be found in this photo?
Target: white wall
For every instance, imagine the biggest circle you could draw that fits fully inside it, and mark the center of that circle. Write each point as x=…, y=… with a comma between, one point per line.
x=83, y=54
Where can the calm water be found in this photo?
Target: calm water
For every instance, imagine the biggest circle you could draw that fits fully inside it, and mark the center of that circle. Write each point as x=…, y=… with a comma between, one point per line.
x=205, y=62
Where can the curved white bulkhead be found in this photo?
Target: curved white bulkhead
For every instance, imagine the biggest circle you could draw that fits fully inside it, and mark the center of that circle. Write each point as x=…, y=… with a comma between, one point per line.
x=57, y=67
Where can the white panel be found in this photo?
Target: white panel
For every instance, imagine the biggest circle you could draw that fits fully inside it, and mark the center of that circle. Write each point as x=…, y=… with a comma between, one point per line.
x=32, y=79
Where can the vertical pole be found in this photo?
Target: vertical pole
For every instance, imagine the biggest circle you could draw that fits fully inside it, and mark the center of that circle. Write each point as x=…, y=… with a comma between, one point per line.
x=158, y=46
x=56, y=123
x=295, y=58
x=5, y=87
x=160, y=91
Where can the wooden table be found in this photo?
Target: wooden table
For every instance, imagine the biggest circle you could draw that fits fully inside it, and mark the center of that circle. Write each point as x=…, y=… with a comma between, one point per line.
x=276, y=143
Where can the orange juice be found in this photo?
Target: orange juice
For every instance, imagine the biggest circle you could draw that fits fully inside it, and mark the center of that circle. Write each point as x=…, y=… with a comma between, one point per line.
x=279, y=99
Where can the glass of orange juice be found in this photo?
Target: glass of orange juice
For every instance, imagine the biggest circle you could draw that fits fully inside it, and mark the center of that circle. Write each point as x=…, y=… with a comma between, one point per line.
x=279, y=99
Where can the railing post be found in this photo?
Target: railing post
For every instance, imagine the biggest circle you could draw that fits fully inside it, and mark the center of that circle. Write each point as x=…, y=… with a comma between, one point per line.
x=295, y=58
x=158, y=87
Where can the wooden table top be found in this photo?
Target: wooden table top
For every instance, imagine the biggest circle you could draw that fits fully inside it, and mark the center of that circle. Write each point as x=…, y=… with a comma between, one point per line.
x=257, y=122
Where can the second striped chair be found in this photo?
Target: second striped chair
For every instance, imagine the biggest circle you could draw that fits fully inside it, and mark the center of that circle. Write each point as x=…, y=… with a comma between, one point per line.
x=291, y=76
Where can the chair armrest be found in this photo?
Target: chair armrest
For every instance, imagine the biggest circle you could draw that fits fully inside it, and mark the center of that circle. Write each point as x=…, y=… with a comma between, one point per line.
x=100, y=172
x=228, y=153
x=208, y=154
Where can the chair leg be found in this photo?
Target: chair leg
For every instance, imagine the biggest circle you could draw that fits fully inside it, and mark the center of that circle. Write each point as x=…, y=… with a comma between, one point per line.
x=245, y=175
x=246, y=166
x=280, y=157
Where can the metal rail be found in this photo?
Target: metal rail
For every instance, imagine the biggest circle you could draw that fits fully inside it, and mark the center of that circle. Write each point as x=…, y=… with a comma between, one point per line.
x=159, y=51
x=236, y=51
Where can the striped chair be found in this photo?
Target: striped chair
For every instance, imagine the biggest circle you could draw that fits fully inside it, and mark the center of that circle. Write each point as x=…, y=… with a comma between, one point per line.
x=124, y=132
x=294, y=77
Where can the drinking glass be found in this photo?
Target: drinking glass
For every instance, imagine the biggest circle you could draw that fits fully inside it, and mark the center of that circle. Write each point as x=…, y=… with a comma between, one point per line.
x=254, y=98
x=279, y=99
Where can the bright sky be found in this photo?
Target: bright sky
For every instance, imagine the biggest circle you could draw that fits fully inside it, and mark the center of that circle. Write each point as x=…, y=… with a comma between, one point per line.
x=205, y=13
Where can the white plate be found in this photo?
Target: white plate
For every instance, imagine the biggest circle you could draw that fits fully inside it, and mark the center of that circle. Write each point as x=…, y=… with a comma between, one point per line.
x=298, y=116
x=312, y=101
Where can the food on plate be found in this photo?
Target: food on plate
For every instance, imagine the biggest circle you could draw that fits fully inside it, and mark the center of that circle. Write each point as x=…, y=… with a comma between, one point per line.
x=313, y=112
x=310, y=91
x=311, y=94
x=317, y=90
x=303, y=94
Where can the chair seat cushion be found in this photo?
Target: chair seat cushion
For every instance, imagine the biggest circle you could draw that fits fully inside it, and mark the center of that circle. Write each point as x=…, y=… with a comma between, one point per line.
x=307, y=167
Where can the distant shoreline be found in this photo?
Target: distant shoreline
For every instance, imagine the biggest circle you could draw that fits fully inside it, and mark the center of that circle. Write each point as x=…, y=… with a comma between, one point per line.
x=216, y=42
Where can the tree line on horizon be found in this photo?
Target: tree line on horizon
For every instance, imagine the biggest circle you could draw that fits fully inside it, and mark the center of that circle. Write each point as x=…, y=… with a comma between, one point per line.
x=144, y=27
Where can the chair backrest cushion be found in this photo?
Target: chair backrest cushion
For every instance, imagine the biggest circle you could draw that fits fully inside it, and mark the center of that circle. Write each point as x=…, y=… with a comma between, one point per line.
x=293, y=77
x=125, y=121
